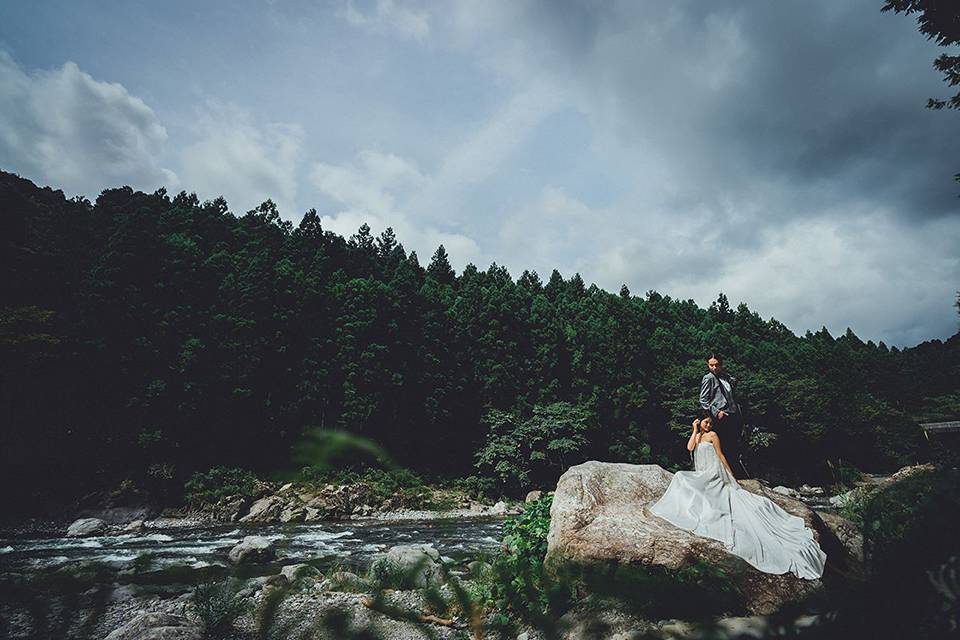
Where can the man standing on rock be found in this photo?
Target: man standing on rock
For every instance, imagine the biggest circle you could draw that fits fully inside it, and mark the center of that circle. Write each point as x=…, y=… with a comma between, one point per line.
x=717, y=395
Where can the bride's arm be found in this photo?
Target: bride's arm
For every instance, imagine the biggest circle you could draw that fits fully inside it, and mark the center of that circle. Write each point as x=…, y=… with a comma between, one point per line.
x=692, y=442
x=723, y=458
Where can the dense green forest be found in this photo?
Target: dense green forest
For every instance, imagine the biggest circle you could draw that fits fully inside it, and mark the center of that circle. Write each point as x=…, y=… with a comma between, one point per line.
x=147, y=337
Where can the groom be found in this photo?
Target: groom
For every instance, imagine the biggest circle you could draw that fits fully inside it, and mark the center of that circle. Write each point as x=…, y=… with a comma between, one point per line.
x=717, y=389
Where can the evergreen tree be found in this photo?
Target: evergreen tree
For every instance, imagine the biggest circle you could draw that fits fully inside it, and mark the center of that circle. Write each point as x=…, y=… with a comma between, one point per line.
x=439, y=268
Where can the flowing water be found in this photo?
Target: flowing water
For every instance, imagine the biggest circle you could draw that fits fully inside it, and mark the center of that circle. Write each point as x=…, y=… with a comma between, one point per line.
x=187, y=554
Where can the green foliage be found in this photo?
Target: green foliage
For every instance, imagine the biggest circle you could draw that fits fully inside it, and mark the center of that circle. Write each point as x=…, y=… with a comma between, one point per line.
x=697, y=591
x=170, y=336
x=913, y=521
x=526, y=534
x=218, y=605
x=218, y=483
x=939, y=22
x=57, y=603
x=538, y=449
x=387, y=574
x=322, y=452
x=476, y=487
x=518, y=578
x=401, y=483
x=910, y=549
x=855, y=506
x=844, y=475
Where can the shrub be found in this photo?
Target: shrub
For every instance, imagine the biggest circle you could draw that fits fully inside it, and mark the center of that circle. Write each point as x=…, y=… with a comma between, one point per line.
x=910, y=537
x=218, y=605
x=476, y=487
x=218, y=483
x=526, y=534
x=520, y=454
x=517, y=578
x=912, y=523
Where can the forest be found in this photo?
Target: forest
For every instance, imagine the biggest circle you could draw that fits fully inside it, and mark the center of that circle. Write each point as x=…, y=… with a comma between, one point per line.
x=144, y=338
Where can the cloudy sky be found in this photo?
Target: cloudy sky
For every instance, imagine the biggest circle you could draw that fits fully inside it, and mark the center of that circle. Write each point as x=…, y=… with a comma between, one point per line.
x=778, y=152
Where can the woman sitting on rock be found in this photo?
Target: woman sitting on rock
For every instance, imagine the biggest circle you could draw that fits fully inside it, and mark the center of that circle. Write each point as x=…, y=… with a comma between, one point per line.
x=709, y=502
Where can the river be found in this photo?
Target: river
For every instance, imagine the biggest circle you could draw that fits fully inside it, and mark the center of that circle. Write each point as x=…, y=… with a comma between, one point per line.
x=196, y=553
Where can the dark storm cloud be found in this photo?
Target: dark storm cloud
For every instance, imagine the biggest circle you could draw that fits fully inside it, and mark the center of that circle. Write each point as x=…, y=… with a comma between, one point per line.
x=779, y=152
x=824, y=94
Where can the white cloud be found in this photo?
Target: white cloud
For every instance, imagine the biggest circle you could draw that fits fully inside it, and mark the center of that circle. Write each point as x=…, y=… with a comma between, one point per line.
x=484, y=151
x=387, y=190
x=388, y=16
x=734, y=132
x=369, y=194
x=864, y=269
x=870, y=271
x=243, y=161
x=62, y=127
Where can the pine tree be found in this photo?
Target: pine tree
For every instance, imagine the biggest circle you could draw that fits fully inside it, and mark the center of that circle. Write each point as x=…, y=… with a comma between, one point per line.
x=440, y=268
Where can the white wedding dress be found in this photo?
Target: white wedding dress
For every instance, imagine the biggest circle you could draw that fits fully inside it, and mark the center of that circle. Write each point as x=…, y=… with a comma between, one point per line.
x=709, y=502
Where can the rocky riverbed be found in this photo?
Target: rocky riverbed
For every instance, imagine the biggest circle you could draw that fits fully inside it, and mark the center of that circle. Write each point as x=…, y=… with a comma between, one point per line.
x=139, y=570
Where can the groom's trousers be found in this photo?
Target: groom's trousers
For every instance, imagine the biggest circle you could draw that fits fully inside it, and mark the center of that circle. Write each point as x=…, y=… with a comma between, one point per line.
x=730, y=430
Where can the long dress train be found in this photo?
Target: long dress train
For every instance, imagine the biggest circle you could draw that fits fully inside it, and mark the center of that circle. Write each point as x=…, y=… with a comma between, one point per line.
x=709, y=502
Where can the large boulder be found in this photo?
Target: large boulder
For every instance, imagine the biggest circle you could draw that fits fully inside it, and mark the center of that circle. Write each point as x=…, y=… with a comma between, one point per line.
x=157, y=626
x=264, y=510
x=600, y=515
x=847, y=532
x=252, y=549
x=86, y=527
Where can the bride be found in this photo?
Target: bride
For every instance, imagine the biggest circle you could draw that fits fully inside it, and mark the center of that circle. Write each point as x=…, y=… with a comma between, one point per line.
x=709, y=502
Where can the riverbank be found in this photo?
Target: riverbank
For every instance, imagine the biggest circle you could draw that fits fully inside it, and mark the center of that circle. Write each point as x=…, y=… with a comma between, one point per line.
x=347, y=605
x=122, y=573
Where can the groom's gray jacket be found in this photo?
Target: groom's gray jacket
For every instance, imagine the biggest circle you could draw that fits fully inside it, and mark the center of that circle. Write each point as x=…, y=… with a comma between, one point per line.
x=712, y=396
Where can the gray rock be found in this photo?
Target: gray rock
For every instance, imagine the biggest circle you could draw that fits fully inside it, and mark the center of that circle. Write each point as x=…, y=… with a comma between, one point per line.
x=252, y=549
x=616, y=625
x=533, y=496
x=275, y=580
x=786, y=491
x=122, y=592
x=478, y=567
x=341, y=580
x=264, y=509
x=499, y=508
x=849, y=535
x=293, y=514
x=229, y=509
x=293, y=571
x=86, y=527
x=600, y=514
x=157, y=626
x=420, y=561
x=137, y=526
x=731, y=628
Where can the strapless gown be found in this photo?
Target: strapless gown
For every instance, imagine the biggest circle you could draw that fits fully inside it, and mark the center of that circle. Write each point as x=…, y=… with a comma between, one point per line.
x=708, y=502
